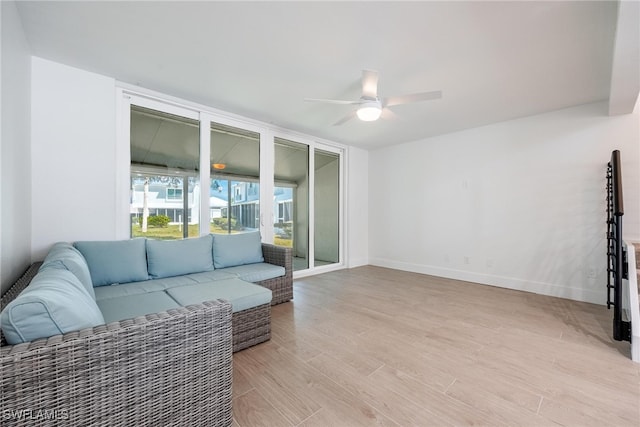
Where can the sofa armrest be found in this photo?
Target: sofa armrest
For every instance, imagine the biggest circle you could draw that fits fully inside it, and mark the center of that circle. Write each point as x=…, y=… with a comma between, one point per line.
x=281, y=287
x=172, y=367
x=19, y=286
x=278, y=255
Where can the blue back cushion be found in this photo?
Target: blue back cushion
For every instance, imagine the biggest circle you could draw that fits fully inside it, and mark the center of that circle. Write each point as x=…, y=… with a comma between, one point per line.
x=117, y=261
x=230, y=250
x=168, y=258
x=54, y=303
x=64, y=255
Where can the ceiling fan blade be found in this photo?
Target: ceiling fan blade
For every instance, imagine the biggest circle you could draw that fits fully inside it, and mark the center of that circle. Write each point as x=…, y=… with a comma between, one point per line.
x=333, y=101
x=408, y=99
x=370, y=84
x=387, y=114
x=346, y=118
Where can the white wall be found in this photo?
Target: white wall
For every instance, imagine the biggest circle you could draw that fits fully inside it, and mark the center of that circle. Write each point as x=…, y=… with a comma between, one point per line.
x=358, y=207
x=518, y=204
x=73, y=155
x=15, y=196
x=74, y=162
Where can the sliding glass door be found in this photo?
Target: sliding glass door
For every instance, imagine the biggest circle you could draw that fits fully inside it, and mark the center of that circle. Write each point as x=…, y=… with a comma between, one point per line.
x=326, y=207
x=291, y=199
x=294, y=189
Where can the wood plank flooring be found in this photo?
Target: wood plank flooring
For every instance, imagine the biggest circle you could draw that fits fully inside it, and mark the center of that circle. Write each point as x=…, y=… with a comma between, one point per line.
x=374, y=346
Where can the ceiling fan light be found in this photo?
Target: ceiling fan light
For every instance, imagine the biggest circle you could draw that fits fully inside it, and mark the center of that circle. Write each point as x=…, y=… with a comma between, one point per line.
x=369, y=113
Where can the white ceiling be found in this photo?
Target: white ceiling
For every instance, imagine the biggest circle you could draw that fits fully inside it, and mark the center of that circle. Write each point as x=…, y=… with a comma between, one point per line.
x=493, y=61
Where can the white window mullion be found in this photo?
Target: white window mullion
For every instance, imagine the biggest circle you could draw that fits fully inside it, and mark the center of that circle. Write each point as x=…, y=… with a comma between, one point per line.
x=205, y=172
x=342, y=237
x=267, y=157
x=123, y=166
x=153, y=104
x=311, y=250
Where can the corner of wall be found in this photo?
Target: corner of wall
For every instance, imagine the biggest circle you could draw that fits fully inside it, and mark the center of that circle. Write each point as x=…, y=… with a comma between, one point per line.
x=357, y=207
x=518, y=204
x=15, y=171
x=75, y=146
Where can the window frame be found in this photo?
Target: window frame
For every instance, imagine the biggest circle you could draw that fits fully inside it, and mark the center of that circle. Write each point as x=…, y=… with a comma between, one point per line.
x=130, y=94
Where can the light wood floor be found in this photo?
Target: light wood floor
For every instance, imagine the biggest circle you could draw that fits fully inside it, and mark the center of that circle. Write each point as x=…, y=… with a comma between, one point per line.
x=373, y=346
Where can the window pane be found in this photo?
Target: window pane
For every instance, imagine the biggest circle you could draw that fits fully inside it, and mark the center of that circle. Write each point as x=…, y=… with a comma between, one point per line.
x=326, y=206
x=165, y=193
x=234, y=193
x=154, y=211
x=291, y=199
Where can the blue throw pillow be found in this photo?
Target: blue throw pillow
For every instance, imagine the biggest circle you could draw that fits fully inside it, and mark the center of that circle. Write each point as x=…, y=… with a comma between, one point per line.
x=54, y=303
x=168, y=258
x=230, y=250
x=64, y=255
x=116, y=261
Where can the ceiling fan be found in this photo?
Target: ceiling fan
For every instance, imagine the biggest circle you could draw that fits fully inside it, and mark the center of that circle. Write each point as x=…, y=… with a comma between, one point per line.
x=370, y=105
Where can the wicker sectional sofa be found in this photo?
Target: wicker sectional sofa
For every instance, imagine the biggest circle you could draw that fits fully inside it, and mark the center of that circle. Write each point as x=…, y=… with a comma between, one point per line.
x=164, y=367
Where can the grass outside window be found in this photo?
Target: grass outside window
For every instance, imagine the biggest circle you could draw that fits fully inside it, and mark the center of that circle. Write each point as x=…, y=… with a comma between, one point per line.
x=174, y=231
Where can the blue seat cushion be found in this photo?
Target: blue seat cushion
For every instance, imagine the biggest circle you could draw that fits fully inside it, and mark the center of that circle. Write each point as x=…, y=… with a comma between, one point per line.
x=255, y=272
x=132, y=306
x=167, y=258
x=242, y=295
x=54, y=303
x=146, y=286
x=210, y=276
x=64, y=255
x=230, y=250
x=116, y=261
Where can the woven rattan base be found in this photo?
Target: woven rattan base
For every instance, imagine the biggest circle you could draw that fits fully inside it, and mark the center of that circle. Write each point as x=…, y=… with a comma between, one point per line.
x=281, y=287
x=251, y=327
x=167, y=368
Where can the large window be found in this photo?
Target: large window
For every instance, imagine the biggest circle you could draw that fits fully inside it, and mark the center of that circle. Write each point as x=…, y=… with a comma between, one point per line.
x=165, y=195
x=234, y=194
x=194, y=172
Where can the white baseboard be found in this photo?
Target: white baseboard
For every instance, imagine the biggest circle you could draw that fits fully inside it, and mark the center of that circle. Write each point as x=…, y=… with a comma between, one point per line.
x=541, y=288
x=358, y=262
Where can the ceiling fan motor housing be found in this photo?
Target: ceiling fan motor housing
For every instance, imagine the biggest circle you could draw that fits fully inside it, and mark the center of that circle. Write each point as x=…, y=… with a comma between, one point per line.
x=369, y=110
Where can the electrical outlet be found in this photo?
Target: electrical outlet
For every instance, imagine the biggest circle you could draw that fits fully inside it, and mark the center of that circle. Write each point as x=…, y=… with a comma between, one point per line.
x=489, y=263
x=466, y=260
x=591, y=273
